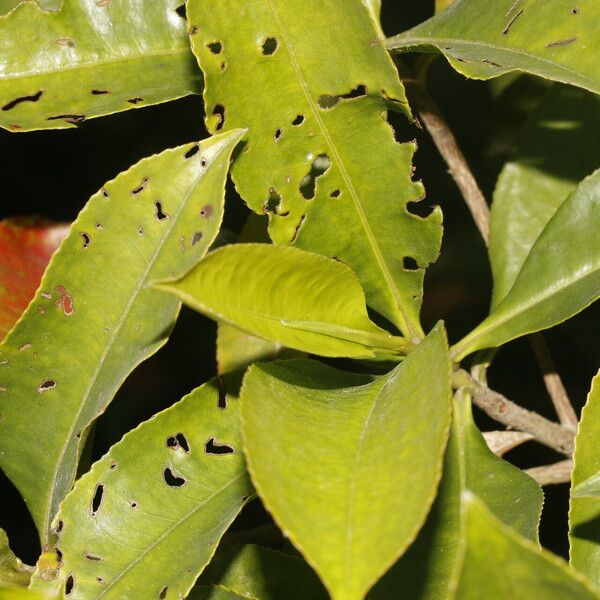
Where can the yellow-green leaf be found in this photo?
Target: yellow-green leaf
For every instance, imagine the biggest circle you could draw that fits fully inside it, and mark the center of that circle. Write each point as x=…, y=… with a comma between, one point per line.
x=321, y=159
x=425, y=572
x=95, y=316
x=366, y=459
x=91, y=58
x=550, y=38
x=148, y=516
x=12, y=571
x=299, y=299
x=499, y=564
x=559, y=278
x=584, y=513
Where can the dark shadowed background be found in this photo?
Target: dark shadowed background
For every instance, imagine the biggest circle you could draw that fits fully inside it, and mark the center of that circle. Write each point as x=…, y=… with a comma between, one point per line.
x=53, y=173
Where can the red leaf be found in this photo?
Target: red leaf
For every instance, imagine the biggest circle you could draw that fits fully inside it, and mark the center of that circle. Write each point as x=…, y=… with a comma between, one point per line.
x=26, y=246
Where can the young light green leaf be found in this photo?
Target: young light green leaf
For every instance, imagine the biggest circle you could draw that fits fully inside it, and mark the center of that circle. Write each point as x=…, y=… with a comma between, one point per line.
x=12, y=571
x=367, y=459
x=558, y=147
x=85, y=331
x=559, y=278
x=257, y=572
x=584, y=513
x=320, y=159
x=549, y=38
x=177, y=481
x=299, y=299
x=425, y=571
x=91, y=58
x=498, y=563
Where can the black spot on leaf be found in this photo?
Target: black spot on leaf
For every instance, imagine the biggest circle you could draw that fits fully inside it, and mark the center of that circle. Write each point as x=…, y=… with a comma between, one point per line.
x=410, y=264
x=135, y=100
x=141, y=187
x=97, y=498
x=192, y=151
x=46, y=385
x=69, y=584
x=32, y=98
x=160, y=215
x=326, y=101
x=68, y=117
x=215, y=47
x=219, y=111
x=211, y=447
x=86, y=239
x=298, y=120
x=163, y=593
x=171, y=479
x=180, y=10
x=99, y=92
x=269, y=46
x=196, y=237
x=178, y=441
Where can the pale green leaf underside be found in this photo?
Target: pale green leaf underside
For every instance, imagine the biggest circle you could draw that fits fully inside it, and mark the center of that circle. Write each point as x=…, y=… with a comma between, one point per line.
x=95, y=316
x=298, y=299
x=498, y=564
x=550, y=38
x=258, y=572
x=91, y=58
x=361, y=484
x=426, y=571
x=12, y=570
x=559, y=278
x=299, y=117
x=584, y=513
x=129, y=530
x=558, y=147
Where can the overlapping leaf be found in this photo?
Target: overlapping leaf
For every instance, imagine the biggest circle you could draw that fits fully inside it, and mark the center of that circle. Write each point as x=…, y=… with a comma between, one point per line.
x=96, y=317
x=92, y=58
x=257, y=572
x=558, y=147
x=299, y=299
x=549, y=38
x=361, y=484
x=559, y=277
x=320, y=158
x=584, y=513
x=26, y=246
x=498, y=563
x=148, y=516
x=427, y=569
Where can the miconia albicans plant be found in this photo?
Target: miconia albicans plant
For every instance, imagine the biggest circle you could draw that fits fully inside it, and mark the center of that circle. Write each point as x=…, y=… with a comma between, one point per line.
x=341, y=441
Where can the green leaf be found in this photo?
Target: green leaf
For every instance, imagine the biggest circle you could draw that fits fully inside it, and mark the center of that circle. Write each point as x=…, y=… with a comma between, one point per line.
x=12, y=571
x=584, y=513
x=147, y=518
x=366, y=460
x=426, y=570
x=558, y=147
x=559, y=278
x=92, y=58
x=375, y=7
x=442, y=4
x=549, y=38
x=299, y=299
x=504, y=564
x=590, y=487
x=95, y=316
x=213, y=592
x=320, y=158
x=7, y=593
x=257, y=572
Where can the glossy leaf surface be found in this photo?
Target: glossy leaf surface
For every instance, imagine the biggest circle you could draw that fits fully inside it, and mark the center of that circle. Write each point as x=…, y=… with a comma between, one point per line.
x=26, y=246
x=559, y=278
x=506, y=565
x=96, y=316
x=558, y=147
x=427, y=569
x=91, y=58
x=257, y=572
x=362, y=483
x=549, y=38
x=320, y=158
x=148, y=516
x=584, y=513
x=299, y=299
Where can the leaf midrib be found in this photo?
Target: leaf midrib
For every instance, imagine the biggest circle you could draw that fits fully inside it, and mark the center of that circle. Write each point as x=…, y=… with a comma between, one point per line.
x=404, y=324
x=109, y=346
